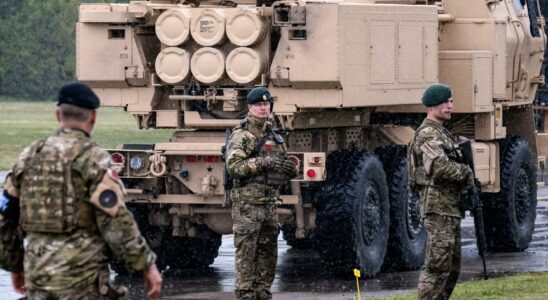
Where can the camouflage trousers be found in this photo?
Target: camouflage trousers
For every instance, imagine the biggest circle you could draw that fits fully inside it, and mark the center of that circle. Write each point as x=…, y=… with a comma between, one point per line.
x=441, y=267
x=99, y=290
x=256, y=240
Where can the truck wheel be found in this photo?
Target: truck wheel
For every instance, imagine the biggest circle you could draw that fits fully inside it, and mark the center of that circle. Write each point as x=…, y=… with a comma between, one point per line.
x=352, y=217
x=184, y=252
x=407, y=238
x=154, y=235
x=510, y=214
x=288, y=233
x=204, y=248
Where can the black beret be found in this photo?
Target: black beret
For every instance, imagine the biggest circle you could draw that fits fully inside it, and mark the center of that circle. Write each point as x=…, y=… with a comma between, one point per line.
x=79, y=94
x=436, y=94
x=258, y=94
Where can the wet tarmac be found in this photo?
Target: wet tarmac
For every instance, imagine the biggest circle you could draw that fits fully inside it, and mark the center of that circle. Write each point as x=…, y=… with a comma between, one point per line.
x=299, y=274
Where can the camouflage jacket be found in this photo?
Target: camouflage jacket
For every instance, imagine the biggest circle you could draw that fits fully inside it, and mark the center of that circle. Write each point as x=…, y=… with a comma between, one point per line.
x=59, y=262
x=246, y=168
x=438, y=178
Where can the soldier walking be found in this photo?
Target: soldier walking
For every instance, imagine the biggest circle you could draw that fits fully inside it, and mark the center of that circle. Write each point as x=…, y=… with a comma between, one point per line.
x=440, y=181
x=257, y=162
x=63, y=197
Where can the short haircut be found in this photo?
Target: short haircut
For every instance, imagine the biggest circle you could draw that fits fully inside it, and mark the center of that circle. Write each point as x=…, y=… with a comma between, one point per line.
x=75, y=113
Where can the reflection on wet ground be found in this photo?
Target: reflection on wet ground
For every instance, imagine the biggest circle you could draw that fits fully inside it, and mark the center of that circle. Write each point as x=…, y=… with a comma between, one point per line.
x=299, y=274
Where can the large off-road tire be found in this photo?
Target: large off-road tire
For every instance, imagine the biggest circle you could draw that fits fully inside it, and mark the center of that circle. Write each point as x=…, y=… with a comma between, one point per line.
x=353, y=213
x=184, y=252
x=407, y=238
x=510, y=214
x=153, y=235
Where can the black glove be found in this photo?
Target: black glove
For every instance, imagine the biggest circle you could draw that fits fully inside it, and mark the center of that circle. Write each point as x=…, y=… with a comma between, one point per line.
x=277, y=164
x=469, y=184
x=289, y=168
x=271, y=163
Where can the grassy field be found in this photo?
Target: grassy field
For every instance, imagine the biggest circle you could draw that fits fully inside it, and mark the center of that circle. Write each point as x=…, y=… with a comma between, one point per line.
x=24, y=121
x=525, y=286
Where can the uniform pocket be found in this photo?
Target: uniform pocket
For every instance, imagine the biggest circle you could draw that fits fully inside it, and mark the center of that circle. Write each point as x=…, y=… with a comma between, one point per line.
x=440, y=244
x=244, y=218
x=439, y=257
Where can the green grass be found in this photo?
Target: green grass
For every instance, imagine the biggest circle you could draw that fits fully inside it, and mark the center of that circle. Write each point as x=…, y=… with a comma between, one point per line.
x=525, y=286
x=21, y=122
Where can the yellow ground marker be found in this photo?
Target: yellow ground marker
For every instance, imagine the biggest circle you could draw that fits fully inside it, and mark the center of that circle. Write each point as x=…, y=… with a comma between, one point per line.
x=357, y=274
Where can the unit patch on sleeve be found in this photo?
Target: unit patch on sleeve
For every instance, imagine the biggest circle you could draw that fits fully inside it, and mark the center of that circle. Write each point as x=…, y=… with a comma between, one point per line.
x=108, y=198
x=109, y=194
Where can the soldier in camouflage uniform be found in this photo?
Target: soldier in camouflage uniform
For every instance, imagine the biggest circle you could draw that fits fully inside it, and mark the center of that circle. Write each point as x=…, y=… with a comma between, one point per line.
x=66, y=201
x=440, y=181
x=256, y=159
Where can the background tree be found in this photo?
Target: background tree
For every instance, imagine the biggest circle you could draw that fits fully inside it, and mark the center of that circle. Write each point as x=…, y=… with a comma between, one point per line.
x=37, y=52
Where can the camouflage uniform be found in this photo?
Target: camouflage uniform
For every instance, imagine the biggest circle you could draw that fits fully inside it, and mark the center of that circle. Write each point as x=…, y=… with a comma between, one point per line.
x=440, y=181
x=72, y=240
x=254, y=201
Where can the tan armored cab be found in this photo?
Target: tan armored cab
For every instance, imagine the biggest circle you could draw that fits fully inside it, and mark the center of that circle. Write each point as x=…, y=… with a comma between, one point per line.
x=348, y=78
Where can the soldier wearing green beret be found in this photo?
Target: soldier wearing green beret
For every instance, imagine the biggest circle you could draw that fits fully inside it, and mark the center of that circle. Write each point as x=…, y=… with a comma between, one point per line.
x=256, y=160
x=439, y=180
x=64, y=199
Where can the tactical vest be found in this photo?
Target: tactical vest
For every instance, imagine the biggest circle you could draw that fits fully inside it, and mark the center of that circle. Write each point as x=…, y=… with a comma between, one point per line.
x=48, y=200
x=273, y=147
x=416, y=172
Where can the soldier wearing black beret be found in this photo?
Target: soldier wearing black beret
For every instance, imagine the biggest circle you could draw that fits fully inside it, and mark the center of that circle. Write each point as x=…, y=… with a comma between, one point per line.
x=65, y=199
x=78, y=94
x=256, y=159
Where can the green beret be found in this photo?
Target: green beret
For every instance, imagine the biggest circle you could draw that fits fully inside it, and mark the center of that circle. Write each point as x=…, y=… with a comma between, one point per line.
x=258, y=94
x=78, y=94
x=436, y=94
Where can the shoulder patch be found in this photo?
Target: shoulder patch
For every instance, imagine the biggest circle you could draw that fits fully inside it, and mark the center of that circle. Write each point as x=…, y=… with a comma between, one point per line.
x=430, y=151
x=108, y=198
x=109, y=194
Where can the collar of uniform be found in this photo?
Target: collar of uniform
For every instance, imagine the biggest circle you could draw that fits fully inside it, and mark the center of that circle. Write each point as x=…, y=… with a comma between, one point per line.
x=432, y=123
x=441, y=128
x=73, y=132
x=258, y=126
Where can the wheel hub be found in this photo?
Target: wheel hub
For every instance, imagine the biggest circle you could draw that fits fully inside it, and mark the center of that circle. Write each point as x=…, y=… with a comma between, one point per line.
x=522, y=195
x=154, y=235
x=371, y=215
x=414, y=224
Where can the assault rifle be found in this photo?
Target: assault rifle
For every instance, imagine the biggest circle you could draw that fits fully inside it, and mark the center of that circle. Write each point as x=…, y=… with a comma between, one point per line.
x=472, y=202
x=227, y=181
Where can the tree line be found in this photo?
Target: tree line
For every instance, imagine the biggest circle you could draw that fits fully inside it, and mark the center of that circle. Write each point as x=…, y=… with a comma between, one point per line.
x=37, y=46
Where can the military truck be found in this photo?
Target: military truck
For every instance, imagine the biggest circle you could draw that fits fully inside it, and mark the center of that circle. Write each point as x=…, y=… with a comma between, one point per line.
x=347, y=76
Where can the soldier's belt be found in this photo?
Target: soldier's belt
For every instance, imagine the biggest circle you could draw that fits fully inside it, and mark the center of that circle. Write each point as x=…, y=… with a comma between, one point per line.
x=252, y=193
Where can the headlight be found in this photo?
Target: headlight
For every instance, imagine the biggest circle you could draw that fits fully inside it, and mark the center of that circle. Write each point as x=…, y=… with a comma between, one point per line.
x=136, y=163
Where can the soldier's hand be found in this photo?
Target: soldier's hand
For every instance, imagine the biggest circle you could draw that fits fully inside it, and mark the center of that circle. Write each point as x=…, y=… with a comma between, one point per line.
x=289, y=168
x=271, y=163
x=470, y=185
x=153, y=281
x=18, y=282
